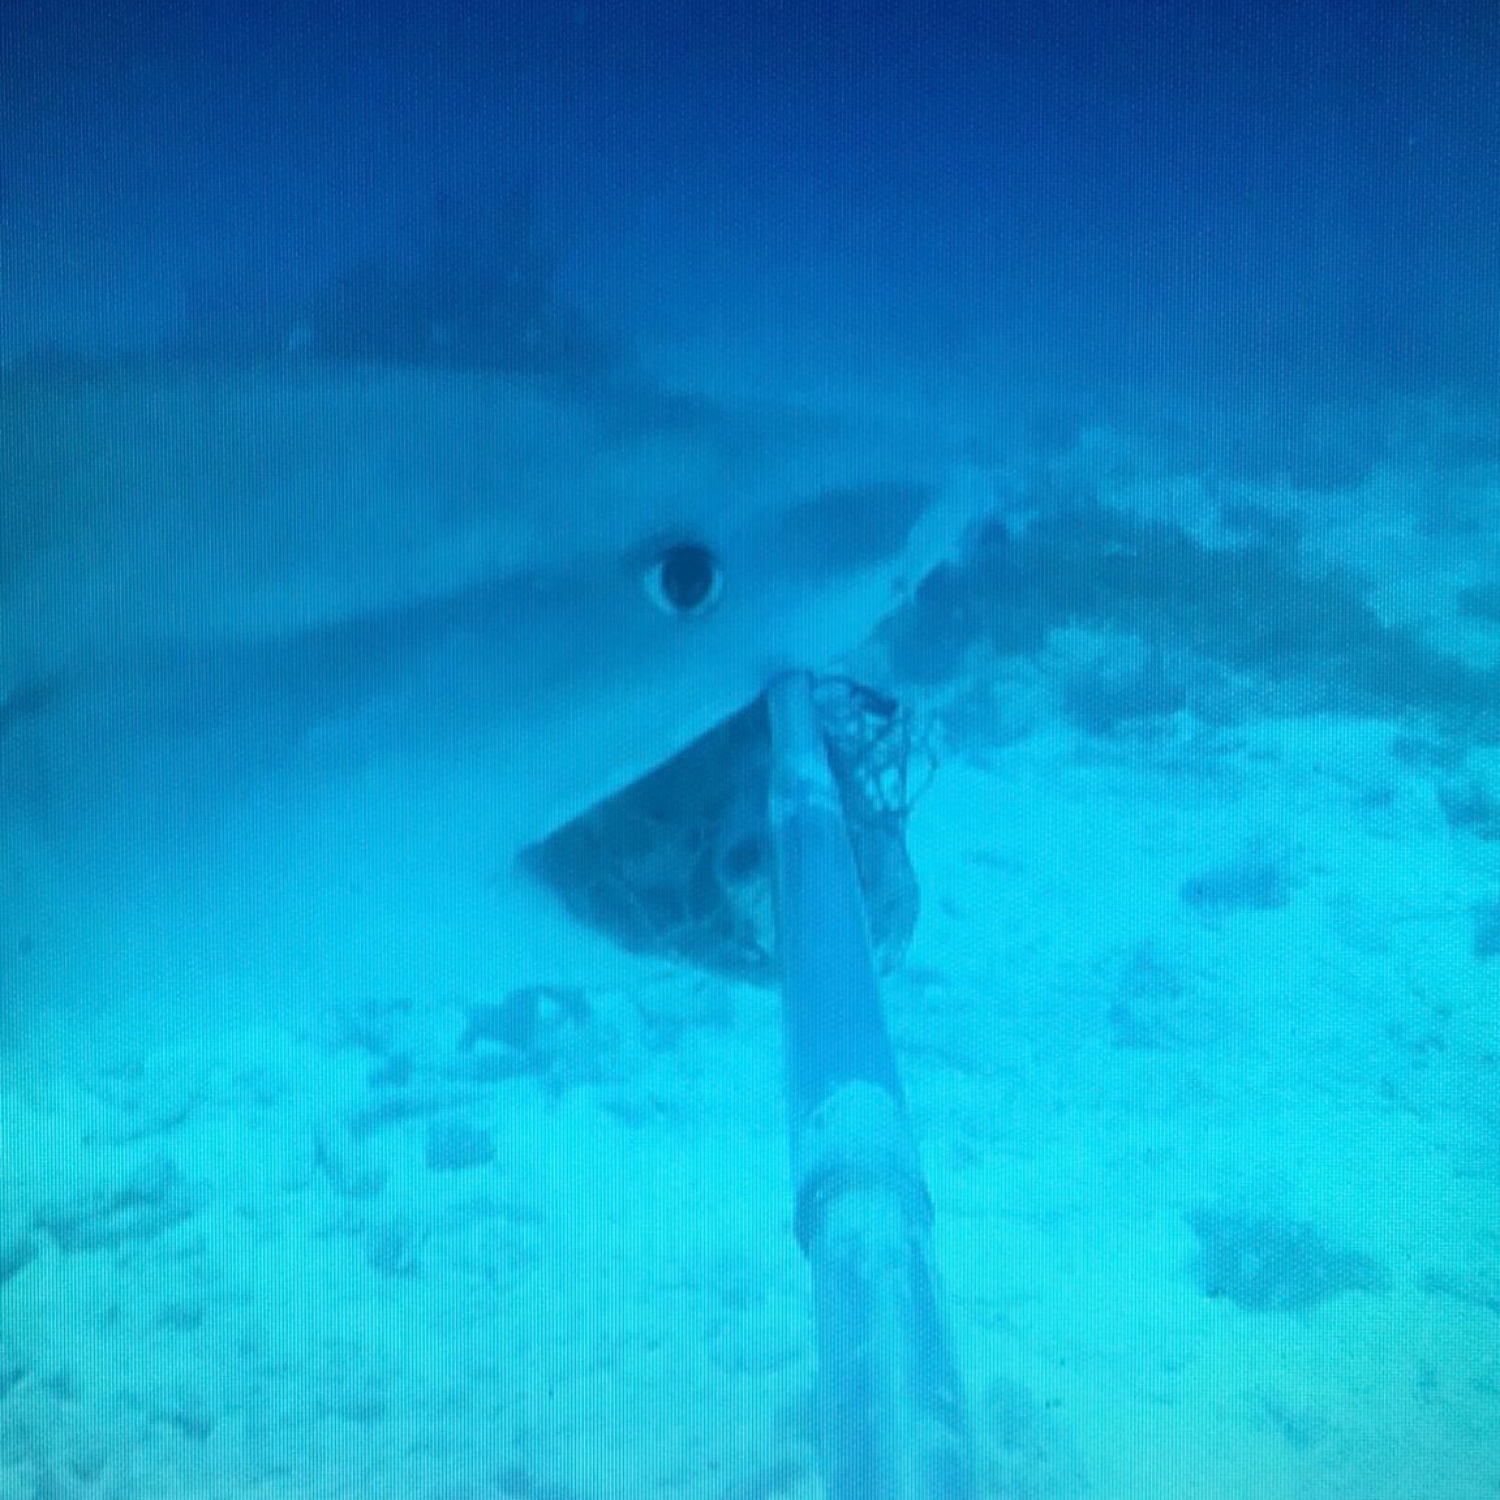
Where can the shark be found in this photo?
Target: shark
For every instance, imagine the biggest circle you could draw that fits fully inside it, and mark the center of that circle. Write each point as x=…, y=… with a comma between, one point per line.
x=308, y=646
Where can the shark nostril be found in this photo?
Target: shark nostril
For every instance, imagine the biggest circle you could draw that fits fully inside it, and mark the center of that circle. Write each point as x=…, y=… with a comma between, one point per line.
x=684, y=579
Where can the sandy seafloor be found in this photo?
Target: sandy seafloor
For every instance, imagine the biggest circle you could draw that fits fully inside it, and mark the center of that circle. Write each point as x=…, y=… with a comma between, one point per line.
x=1200, y=1026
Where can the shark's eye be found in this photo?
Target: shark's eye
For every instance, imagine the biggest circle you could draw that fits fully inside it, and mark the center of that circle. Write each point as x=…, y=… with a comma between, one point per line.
x=684, y=579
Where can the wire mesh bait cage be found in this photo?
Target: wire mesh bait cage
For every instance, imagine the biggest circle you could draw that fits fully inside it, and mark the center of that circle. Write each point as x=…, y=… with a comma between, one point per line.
x=675, y=865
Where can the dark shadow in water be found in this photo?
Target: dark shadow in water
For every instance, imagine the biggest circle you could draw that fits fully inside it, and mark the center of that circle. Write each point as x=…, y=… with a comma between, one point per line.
x=482, y=293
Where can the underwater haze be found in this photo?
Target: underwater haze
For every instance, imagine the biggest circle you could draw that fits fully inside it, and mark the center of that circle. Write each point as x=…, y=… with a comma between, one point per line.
x=425, y=430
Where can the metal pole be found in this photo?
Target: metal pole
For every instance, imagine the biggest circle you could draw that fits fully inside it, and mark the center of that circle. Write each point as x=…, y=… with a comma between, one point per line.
x=894, y=1425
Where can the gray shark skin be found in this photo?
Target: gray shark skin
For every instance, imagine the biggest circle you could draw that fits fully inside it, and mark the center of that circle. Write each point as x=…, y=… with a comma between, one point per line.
x=301, y=621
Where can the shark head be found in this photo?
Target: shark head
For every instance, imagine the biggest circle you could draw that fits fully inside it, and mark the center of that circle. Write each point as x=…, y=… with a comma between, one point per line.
x=408, y=620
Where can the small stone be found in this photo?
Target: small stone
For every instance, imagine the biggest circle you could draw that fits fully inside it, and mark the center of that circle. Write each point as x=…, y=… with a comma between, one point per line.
x=15, y=1366
x=528, y=1019
x=350, y=1167
x=16, y=1250
x=189, y=1413
x=1254, y=882
x=153, y=1199
x=455, y=1146
x=393, y=1248
x=1486, y=945
x=1268, y=1264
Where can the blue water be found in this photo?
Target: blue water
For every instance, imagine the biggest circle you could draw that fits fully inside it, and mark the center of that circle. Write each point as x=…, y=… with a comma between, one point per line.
x=358, y=1171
